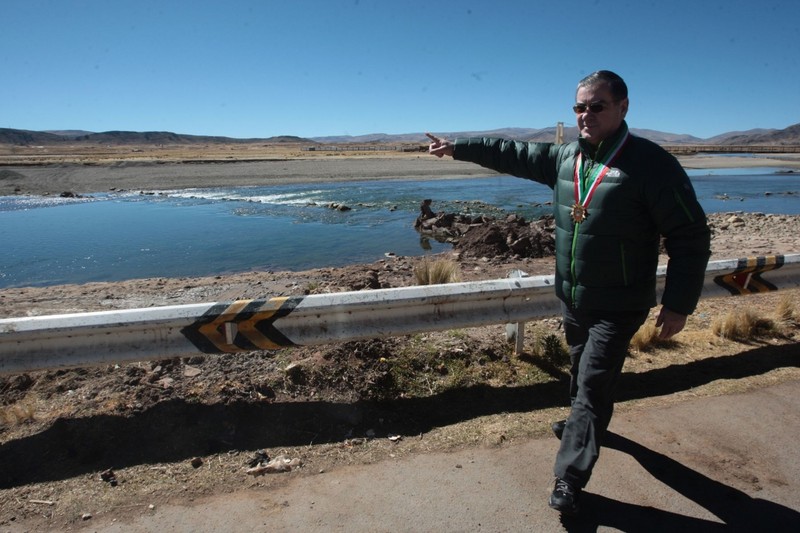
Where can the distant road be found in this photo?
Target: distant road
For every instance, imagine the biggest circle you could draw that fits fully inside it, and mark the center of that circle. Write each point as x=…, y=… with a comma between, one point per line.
x=683, y=149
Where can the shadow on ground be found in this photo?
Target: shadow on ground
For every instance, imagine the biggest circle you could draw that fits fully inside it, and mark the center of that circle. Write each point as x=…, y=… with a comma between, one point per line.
x=176, y=430
x=735, y=510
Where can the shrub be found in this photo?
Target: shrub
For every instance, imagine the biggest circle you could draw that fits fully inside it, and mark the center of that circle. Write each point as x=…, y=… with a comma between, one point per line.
x=553, y=350
x=437, y=272
x=16, y=414
x=784, y=311
x=646, y=338
x=742, y=325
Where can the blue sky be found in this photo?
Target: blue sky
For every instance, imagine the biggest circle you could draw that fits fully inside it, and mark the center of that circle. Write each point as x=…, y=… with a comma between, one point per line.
x=351, y=67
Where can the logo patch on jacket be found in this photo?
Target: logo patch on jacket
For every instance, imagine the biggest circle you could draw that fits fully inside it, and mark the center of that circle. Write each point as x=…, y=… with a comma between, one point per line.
x=614, y=173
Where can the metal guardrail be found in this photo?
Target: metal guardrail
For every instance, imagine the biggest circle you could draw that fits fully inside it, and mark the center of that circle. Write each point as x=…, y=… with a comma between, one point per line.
x=83, y=339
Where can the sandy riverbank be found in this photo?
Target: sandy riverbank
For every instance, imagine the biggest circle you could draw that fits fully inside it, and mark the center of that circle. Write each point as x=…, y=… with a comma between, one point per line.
x=101, y=176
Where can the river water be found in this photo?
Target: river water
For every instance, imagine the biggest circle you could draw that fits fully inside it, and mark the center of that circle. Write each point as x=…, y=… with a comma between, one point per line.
x=201, y=232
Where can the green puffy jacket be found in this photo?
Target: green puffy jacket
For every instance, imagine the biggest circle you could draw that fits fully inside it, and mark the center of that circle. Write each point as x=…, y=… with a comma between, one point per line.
x=609, y=261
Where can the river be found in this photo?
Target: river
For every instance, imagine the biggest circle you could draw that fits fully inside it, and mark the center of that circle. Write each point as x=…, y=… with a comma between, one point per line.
x=201, y=232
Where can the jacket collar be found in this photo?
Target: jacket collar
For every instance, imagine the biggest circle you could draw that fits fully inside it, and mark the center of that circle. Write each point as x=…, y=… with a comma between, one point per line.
x=597, y=153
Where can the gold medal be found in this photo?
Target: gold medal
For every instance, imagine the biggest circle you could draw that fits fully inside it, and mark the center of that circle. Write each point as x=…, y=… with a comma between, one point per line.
x=587, y=180
x=578, y=213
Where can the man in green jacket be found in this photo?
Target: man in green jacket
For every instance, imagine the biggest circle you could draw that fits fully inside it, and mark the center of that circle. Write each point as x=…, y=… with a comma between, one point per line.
x=615, y=196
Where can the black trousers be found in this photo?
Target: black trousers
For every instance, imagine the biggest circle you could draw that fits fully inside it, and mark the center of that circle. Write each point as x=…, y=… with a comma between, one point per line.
x=598, y=343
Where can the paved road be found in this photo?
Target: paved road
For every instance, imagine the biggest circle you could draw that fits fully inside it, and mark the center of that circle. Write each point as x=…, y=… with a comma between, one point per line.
x=713, y=464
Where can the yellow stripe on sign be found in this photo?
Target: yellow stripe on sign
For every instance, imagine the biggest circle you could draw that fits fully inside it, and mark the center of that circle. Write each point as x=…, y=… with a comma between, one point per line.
x=249, y=327
x=746, y=279
x=215, y=330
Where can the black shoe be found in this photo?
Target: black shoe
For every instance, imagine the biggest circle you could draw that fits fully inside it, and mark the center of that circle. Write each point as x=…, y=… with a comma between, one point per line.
x=558, y=428
x=564, y=498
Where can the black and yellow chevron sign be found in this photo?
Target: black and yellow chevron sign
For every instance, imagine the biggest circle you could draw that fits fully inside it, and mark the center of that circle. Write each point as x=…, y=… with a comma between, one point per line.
x=241, y=325
x=746, y=277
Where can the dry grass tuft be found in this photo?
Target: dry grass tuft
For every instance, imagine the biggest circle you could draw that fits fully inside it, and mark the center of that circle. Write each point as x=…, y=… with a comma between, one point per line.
x=646, y=339
x=739, y=325
x=16, y=414
x=785, y=311
x=437, y=272
x=743, y=326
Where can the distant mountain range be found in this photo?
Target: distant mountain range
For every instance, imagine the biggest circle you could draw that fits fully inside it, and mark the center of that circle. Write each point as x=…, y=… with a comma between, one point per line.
x=26, y=137
x=787, y=136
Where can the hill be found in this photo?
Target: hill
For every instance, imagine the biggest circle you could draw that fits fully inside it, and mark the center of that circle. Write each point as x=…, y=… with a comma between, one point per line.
x=786, y=137
x=25, y=137
x=167, y=137
x=70, y=133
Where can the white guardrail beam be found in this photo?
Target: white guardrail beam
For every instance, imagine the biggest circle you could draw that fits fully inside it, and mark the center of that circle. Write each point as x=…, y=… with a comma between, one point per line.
x=83, y=339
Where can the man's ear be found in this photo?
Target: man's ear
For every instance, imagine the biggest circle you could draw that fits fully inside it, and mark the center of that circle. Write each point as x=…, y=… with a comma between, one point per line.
x=624, y=107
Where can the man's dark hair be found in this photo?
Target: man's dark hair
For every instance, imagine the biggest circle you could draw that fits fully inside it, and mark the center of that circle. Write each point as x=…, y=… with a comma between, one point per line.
x=616, y=84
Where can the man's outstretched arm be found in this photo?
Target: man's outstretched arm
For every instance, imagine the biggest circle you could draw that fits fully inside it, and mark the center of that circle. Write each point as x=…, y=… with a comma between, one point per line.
x=439, y=147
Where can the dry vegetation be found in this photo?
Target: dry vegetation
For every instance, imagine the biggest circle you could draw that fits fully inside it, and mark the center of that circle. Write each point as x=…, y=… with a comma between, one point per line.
x=745, y=325
x=437, y=272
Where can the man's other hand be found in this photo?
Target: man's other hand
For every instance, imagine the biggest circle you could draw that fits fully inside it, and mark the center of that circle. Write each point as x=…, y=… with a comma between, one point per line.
x=670, y=323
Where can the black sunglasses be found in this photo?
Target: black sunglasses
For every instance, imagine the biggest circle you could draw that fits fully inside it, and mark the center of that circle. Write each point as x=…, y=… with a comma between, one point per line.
x=596, y=107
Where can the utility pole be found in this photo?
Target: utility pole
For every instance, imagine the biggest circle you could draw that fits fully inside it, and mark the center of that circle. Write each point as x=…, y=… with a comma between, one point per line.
x=560, y=133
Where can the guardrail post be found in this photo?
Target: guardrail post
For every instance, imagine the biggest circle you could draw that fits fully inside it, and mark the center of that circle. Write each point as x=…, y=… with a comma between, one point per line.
x=516, y=332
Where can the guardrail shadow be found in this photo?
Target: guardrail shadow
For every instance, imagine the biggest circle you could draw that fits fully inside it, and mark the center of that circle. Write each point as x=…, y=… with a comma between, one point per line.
x=175, y=430
x=736, y=510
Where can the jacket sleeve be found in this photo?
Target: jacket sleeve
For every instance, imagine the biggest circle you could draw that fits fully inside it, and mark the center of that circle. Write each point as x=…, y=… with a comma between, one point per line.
x=533, y=161
x=687, y=238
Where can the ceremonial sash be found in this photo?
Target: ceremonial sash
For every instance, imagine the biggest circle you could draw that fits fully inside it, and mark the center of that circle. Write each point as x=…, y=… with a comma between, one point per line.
x=585, y=188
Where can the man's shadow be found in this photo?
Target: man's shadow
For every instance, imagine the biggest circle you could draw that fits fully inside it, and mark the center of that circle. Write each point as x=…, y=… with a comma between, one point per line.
x=734, y=509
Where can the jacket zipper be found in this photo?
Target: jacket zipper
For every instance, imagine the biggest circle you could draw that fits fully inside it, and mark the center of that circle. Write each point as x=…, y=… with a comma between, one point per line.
x=572, y=263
